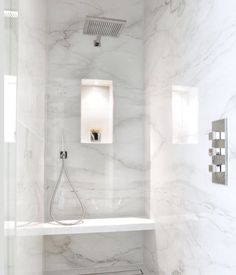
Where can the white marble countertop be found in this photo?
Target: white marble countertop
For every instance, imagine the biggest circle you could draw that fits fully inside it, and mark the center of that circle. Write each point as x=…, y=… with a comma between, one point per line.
x=88, y=226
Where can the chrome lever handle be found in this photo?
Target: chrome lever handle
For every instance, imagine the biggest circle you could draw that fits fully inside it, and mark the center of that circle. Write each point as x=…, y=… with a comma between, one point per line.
x=216, y=168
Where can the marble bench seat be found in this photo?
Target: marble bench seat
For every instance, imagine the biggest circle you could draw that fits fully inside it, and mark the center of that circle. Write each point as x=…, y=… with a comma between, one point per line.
x=88, y=226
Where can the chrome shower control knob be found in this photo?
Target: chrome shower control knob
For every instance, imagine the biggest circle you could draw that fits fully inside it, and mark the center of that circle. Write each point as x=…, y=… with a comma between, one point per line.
x=214, y=135
x=214, y=168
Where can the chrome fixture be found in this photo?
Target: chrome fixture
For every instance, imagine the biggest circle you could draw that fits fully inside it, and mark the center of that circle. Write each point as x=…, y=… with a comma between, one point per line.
x=125, y=272
x=219, y=151
x=63, y=157
x=102, y=26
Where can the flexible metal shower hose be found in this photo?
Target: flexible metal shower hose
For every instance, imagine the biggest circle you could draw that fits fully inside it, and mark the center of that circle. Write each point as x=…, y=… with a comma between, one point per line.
x=52, y=201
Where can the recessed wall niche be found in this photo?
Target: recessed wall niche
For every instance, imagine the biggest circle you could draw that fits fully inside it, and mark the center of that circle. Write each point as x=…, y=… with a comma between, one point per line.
x=185, y=115
x=96, y=111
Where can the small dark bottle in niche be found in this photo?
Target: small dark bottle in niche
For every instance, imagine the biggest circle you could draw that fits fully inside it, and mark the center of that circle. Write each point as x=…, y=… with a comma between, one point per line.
x=95, y=135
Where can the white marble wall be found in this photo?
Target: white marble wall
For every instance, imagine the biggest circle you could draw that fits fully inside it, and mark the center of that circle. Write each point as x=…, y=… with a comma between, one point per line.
x=3, y=240
x=87, y=254
x=9, y=150
x=190, y=43
x=109, y=178
x=30, y=131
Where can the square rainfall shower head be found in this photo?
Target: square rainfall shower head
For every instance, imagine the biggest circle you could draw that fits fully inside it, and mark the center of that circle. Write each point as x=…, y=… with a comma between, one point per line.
x=102, y=26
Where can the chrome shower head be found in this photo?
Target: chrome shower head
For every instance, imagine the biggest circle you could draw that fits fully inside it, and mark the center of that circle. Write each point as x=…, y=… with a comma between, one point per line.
x=101, y=26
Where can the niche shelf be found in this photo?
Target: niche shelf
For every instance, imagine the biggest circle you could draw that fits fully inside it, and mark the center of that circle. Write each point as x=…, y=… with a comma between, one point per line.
x=96, y=111
x=88, y=226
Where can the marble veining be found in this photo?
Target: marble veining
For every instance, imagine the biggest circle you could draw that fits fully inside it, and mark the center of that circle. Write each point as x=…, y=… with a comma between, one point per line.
x=110, y=179
x=70, y=252
x=30, y=139
x=189, y=43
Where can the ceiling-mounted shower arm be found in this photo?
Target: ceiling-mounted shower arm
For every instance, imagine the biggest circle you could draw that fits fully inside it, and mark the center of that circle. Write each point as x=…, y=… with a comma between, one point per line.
x=97, y=41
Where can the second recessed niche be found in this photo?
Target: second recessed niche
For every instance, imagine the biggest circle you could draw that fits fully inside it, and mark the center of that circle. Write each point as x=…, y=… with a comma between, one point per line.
x=96, y=111
x=185, y=115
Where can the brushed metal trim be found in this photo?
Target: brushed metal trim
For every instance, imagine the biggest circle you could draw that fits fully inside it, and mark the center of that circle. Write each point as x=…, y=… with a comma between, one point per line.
x=219, y=152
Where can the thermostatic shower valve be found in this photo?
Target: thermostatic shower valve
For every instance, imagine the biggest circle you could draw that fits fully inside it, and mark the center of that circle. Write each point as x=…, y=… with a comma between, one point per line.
x=219, y=152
